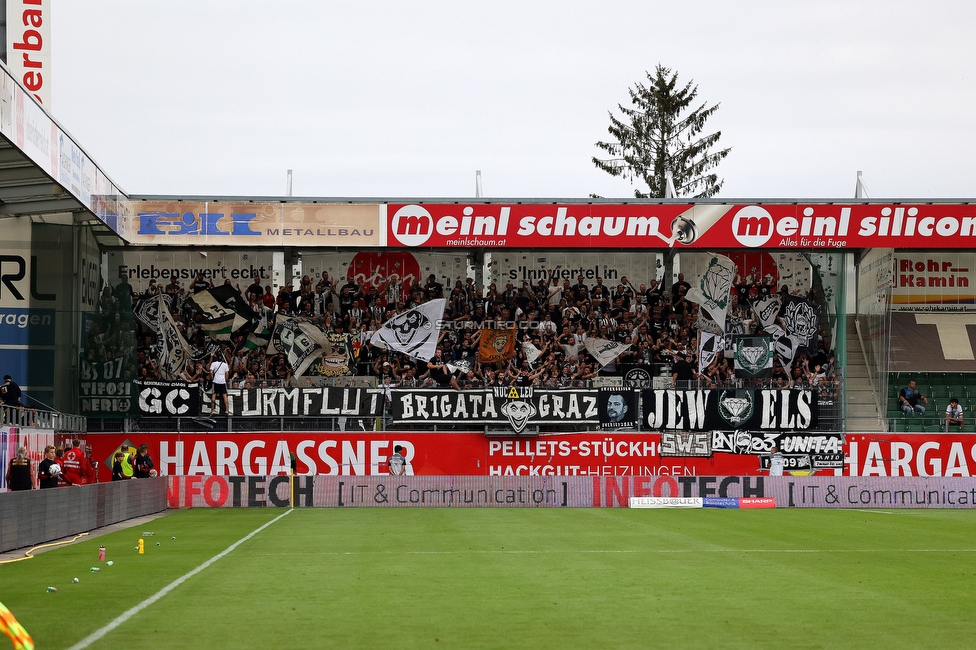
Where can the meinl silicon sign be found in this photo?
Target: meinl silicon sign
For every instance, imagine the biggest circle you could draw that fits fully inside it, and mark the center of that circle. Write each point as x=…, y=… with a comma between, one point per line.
x=709, y=226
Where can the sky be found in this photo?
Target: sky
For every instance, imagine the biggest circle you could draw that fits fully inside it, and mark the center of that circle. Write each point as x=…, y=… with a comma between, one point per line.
x=410, y=98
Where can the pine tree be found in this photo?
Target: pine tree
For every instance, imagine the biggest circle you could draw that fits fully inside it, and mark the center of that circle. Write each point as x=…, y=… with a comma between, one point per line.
x=660, y=134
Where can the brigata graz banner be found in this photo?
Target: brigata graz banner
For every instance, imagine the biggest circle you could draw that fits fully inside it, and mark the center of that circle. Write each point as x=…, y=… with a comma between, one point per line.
x=561, y=491
x=710, y=226
x=515, y=407
x=705, y=410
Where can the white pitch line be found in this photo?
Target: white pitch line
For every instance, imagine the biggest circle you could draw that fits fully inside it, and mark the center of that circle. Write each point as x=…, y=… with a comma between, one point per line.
x=659, y=550
x=125, y=616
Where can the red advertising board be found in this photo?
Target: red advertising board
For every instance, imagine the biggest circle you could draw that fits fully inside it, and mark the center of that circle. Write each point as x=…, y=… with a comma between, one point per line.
x=708, y=226
x=472, y=454
x=427, y=454
x=906, y=454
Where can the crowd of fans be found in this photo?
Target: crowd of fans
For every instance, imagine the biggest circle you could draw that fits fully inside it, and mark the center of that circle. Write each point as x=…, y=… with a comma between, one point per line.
x=555, y=316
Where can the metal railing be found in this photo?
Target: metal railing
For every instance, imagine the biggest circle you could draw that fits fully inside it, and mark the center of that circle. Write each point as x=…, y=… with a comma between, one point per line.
x=41, y=419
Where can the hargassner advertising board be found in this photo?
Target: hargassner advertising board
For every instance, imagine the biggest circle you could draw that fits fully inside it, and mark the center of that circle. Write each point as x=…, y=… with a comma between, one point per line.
x=709, y=226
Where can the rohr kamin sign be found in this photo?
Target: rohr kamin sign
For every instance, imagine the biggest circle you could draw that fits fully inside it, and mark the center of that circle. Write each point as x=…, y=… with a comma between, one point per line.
x=29, y=46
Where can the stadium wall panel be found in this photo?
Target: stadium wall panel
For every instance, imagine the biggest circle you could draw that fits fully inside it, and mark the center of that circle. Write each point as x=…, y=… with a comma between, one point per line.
x=564, y=491
x=35, y=517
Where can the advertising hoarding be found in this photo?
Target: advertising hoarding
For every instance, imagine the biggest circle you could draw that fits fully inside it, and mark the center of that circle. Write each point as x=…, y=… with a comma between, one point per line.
x=708, y=226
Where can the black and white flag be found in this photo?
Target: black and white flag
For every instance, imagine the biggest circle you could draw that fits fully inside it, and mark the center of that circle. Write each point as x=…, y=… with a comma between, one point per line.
x=300, y=341
x=414, y=332
x=605, y=351
x=224, y=311
x=174, y=351
x=799, y=319
x=713, y=290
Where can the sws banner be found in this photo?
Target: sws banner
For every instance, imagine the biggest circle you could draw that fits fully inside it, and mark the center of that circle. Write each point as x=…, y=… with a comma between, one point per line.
x=169, y=398
x=716, y=409
x=511, y=406
x=802, y=451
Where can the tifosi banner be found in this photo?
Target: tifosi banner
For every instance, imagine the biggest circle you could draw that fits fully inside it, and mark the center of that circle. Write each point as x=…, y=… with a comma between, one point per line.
x=564, y=492
x=710, y=226
x=514, y=407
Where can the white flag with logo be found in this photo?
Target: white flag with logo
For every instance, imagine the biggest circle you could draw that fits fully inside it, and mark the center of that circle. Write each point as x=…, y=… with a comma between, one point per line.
x=531, y=352
x=414, y=332
x=174, y=351
x=605, y=351
x=713, y=289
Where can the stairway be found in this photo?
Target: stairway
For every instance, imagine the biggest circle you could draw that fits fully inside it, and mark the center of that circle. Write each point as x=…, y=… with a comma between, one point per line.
x=862, y=408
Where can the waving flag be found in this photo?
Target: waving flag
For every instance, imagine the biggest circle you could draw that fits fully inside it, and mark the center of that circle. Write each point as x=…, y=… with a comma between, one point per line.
x=713, y=290
x=414, y=332
x=496, y=345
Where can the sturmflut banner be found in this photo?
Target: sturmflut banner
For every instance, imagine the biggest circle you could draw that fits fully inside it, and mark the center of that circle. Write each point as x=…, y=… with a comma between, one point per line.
x=305, y=402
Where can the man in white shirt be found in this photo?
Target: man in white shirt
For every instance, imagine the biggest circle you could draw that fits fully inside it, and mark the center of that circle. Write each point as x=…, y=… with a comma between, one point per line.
x=218, y=373
x=954, y=414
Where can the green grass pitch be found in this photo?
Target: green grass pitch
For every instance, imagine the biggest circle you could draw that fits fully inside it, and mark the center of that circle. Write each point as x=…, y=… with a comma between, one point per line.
x=515, y=578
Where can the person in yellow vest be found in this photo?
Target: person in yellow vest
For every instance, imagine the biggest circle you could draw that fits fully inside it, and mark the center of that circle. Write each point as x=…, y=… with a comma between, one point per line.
x=126, y=461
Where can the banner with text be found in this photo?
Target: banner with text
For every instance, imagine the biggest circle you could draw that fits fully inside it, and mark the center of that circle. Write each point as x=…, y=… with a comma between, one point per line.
x=561, y=492
x=515, y=407
x=699, y=410
x=707, y=226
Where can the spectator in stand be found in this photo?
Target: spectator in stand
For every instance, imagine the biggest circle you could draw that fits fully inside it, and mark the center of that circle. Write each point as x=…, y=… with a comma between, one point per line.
x=200, y=284
x=954, y=417
x=433, y=288
x=679, y=288
x=254, y=289
x=219, y=371
x=48, y=469
x=909, y=398
x=682, y=371
x=19, y=472
x=75, y=464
